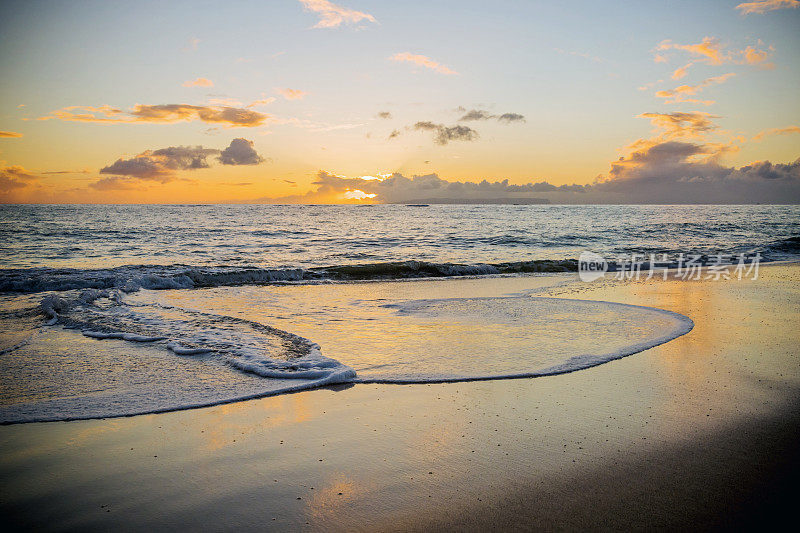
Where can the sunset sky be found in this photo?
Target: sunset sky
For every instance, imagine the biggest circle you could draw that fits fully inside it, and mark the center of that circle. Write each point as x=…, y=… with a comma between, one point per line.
x=293, y=101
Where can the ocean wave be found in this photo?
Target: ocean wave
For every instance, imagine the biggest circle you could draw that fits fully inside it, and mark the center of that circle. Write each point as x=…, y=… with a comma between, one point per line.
x=133, y=278
x=160, y=277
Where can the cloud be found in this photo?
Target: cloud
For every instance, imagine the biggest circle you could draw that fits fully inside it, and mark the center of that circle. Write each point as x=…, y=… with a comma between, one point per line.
x=691, y=125
x=681, y=164
x=396, y=188
x=754, y=56
x=146, y=166
x=15, y=177
x=479, y=114
x=199, y=82
x=767, y=5
x=333, y=16
x=511, y=117
x=476, y=114
x=115, y=183
x=384, y=115
x=240, y=152
x=445, y=134
x=84, y=171
x=161, y=114
x=422, y=61
x=291, y=94
x=262, y=102
x=394, y=134
x=665, y=173
x=162, y=165
x=710, y=51
x=357, y=194
x=776, y=131
x=9, y=135
x=682, y=93
x=231, y=116
x=683, y=172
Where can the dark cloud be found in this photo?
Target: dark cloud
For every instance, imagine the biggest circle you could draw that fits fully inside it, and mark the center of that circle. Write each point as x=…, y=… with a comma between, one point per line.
x=686, y=172
x=185, y=157
x=445, y=134
x=398, y=188
x=384, y=114
x=426, y=126
x=240, y=152
x=394, y=134
x=511, y=117
x=66, y=172
x=142, y=166
x=476, y=114
x=480, y=114
x=160, y=165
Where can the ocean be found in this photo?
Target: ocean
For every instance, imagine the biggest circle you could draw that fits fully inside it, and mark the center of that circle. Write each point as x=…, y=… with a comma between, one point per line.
x=112, y=310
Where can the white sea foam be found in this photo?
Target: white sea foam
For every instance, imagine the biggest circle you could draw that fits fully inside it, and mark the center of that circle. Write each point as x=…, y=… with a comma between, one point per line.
x=670, y=326
x=493, y=339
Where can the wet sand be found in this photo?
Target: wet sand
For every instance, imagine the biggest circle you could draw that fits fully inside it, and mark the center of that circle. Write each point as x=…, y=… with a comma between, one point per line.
x=699, y=432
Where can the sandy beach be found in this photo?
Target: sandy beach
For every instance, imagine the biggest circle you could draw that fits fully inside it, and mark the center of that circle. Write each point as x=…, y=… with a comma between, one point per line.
x=699, y=432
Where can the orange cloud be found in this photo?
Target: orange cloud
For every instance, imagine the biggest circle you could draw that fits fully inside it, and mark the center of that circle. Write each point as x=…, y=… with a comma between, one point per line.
x=754, y=56
x=711, y=52
x=423, y=61
x=682, y=92
x=199, y=82
x=766, y=5
x=776, y=131
x=162, y=114
x=9, y=135
x=709, y=48
x=15, y=177
x=332, y=16
x=291, y=94
x=265, y=101
x=694, y=125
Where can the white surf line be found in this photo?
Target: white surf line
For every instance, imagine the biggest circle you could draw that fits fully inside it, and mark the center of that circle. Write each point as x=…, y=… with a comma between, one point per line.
x=573, y=364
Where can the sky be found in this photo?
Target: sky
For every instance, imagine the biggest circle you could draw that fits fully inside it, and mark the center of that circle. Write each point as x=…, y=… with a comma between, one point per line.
x=364, y=101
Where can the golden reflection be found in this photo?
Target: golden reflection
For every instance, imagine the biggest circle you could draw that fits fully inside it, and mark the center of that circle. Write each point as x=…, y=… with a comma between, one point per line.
x=339, y=490
x=223, y=424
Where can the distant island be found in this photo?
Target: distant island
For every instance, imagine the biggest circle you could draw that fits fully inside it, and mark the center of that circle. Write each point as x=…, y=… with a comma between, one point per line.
x=519, y=201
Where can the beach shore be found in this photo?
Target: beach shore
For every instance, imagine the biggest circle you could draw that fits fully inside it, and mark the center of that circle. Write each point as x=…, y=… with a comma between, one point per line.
x=699, y=432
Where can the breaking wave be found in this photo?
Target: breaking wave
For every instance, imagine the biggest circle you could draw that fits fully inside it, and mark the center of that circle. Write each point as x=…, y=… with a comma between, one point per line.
x=133, y=278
